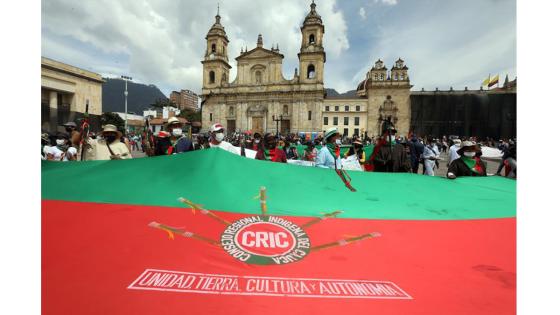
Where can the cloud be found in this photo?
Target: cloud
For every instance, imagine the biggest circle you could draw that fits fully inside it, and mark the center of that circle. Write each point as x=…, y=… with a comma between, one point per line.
x=387, y=2
x=362, y=13
x=163, y=41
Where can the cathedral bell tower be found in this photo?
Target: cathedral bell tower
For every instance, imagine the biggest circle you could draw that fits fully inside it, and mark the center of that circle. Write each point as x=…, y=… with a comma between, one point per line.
x=312, y=54
x=215, y=64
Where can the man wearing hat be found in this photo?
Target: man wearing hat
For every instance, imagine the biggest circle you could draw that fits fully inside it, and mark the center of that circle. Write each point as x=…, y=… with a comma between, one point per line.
x=217, y=139
x=108, y=148
x=269, y=151
x=176, y=142
x=391, y=156
x=330, y=152
x=467, y=164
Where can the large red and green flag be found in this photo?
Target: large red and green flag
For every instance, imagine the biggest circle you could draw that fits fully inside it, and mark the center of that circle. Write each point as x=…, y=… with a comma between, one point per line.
x=209, y=232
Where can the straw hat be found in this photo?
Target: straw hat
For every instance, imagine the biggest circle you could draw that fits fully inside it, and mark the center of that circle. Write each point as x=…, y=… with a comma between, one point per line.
x=173, y=120
x=466, y=144
x=357, y=141
x=111, y=128
x=331, y=132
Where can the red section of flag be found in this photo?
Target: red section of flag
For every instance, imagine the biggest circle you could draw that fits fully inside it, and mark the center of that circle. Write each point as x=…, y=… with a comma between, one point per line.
x=447, y=267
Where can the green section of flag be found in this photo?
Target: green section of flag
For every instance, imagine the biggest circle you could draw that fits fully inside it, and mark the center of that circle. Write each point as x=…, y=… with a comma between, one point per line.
x=219, y=180
x=368, y=149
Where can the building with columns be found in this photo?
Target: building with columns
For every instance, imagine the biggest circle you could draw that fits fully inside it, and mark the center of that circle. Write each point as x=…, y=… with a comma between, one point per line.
x=261, y=97
x=65, y=92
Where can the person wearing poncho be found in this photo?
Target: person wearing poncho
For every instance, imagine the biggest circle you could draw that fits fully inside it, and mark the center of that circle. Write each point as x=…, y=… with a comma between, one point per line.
x=468, y=164
x=391, y=156
x=268, y=150
x=330, y=153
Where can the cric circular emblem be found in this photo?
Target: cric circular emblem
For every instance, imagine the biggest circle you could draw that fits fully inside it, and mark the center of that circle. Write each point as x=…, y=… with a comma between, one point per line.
x=265, y=240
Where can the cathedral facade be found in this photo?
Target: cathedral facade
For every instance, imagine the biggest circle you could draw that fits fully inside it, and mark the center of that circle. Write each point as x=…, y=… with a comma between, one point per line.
x=260, y=99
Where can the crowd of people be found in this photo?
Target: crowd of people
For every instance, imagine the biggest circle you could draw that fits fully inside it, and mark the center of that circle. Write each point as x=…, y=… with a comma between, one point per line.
x=391, y=153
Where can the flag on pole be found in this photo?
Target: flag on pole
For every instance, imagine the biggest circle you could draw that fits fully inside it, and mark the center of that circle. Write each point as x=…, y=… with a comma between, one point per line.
x=494, y=81
x=308, y=245
x=486, y=81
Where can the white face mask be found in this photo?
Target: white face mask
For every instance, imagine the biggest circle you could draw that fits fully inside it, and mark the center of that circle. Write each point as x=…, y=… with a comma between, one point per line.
x=219, y=137
x=338, y=142
x=257, y=141
x=60, y=141
x=470, y=154
x=390, y=138
x=177, y=132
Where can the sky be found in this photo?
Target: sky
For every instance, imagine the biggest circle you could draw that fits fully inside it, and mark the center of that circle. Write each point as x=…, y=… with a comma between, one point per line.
x=444, y=43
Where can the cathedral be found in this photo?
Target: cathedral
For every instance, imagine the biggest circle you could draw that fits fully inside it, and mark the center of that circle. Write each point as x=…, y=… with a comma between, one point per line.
x=260, y=99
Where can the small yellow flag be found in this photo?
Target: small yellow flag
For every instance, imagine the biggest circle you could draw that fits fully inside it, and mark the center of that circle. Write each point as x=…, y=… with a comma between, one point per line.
x=494, y=81
x=486, y=81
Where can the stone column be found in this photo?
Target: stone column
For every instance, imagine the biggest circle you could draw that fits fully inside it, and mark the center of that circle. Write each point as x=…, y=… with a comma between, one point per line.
x=53, y=111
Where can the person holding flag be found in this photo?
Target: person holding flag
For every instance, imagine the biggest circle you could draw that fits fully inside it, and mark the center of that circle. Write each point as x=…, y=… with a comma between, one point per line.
x=217, y=139
x=468, y=164
x=329, y=155
x=269, y=151
x=391, y=156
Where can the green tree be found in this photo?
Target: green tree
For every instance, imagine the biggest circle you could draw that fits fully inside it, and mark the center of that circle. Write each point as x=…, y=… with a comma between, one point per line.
x=114, y=119
x=162, y=102
x=191, y=115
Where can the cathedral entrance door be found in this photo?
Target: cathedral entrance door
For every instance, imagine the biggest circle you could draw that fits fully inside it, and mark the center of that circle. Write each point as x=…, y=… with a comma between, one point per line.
x=257, y=125
x=285, y=128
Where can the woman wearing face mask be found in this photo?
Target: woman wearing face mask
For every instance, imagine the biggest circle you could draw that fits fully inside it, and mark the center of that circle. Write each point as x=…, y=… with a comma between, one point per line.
x=358, y=149
x=468, y=164
x=330, y=153
x=269, y=151
x=62, y=151
x=217, y=139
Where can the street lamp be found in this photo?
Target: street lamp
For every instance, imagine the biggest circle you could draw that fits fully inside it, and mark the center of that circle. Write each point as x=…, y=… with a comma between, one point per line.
x=126, y=79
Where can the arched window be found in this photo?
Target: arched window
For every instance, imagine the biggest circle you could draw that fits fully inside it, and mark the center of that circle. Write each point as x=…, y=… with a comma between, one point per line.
x=285, y=110
x=375, y=77
x=224, y=79
x=312, y=39
x=311, y=72
x=231, y=110
x=212, y=77
x=213, y=48
x=402, y=76
x=258, y=77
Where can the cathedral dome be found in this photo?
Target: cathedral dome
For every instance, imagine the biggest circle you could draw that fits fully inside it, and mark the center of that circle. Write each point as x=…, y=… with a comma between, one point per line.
x=312, y=17
x=362, y=85
x=217, y=28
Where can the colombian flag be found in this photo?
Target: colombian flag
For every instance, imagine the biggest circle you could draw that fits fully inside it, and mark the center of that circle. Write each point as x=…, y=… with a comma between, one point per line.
x=209, y=232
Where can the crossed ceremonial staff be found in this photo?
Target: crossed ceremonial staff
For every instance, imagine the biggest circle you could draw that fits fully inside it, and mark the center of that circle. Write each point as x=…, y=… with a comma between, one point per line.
x=171, y=231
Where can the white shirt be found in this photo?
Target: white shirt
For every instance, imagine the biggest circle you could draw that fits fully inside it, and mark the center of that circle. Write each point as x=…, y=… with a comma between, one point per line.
x=225, y=146
x=98, y=150
x=431, y=151
x=453, y=155
x=59, y=154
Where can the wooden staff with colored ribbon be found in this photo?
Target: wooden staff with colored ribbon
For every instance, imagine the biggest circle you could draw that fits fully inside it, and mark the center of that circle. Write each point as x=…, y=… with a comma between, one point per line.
x=172, y=230
x=195, y=206
x=263, y=200
x=346, y=241
x=321, y=218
